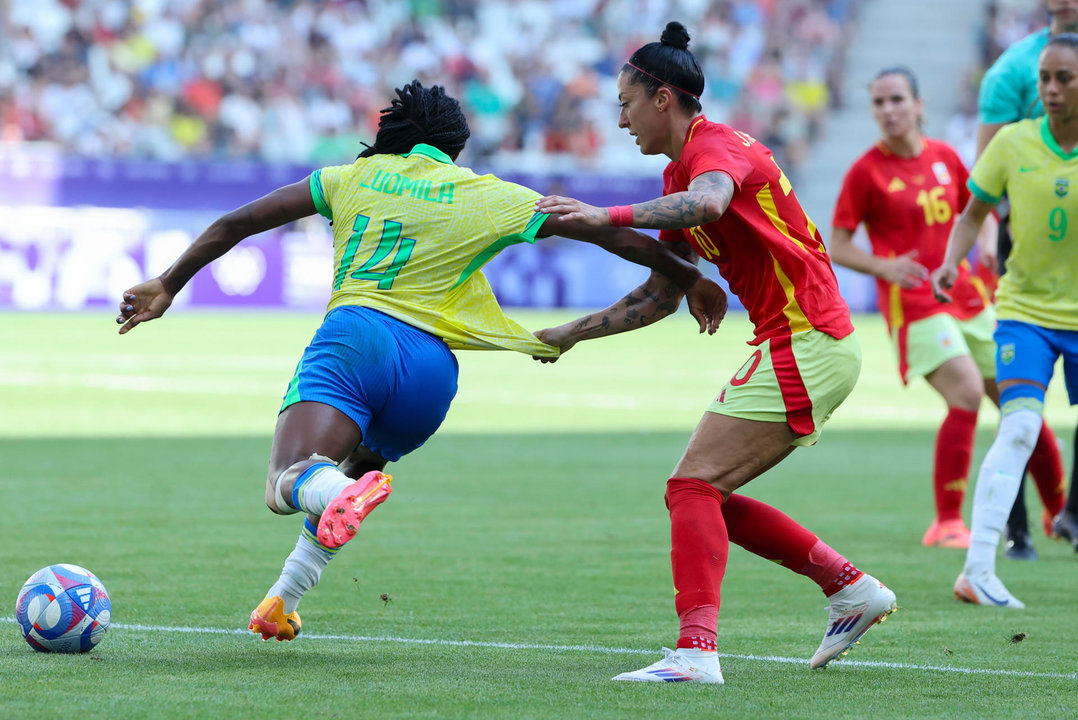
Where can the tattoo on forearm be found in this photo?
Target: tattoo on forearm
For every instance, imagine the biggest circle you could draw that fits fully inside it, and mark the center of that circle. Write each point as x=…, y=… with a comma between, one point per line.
x=668, y=307
x=696, y=206
x=675, y=211
x=652, y=301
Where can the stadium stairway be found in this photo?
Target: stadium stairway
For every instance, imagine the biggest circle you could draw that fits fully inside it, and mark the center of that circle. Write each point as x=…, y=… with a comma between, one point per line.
x=937, y=39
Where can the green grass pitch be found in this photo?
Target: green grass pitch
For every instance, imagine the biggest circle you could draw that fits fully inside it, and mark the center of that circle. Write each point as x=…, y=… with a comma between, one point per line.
x=522, y=560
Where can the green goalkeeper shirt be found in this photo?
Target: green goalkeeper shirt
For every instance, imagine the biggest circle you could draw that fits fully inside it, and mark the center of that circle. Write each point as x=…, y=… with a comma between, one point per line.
x=1009, y=88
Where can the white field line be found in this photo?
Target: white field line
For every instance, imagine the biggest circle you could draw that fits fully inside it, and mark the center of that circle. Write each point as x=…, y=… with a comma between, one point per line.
x=850, y=414
x=508, y=397
x=585, y=648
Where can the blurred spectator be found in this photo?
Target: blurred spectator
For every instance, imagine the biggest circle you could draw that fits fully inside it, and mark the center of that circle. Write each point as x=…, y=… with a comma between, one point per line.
x=1005, y=21
x=291, y=80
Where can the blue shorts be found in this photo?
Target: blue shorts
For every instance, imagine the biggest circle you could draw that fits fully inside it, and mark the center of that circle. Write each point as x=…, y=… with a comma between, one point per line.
x=394, y=380
x=1029, y=352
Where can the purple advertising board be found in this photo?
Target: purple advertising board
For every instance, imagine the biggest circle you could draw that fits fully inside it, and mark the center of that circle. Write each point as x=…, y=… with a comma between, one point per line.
x=75, y=232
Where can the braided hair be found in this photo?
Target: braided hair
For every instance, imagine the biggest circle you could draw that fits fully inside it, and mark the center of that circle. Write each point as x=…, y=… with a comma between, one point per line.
x=668, y=63
x=420, y=115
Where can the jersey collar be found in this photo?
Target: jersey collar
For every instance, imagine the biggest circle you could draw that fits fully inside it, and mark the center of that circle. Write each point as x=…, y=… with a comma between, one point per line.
x=696, y=121
x=431, y=152
x=1046, y=136
x=886, y=149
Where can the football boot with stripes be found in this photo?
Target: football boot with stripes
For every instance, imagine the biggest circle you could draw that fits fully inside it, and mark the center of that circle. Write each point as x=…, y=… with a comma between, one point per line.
x=681, y=665
x=852, y=612
x=984, y=588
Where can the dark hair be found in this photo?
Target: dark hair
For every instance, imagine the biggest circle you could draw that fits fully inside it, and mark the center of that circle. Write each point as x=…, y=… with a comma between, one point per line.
x=668, y=62
x=905, y=72
x=1067, y=39
x=420, y=115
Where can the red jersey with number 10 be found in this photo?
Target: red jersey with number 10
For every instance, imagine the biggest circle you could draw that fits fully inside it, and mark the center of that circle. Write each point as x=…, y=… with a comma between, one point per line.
x=764, y=245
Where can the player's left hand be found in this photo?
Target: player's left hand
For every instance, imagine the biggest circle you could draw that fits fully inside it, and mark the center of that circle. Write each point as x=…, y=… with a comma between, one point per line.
x=943, y=279
x=573, y=210
x=707, y=303
x=556, y=337
x=143, y=302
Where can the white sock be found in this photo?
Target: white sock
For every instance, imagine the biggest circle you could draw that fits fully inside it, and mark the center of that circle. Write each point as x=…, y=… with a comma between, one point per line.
x=317, y=487
x=302, y=568
x=997, y=486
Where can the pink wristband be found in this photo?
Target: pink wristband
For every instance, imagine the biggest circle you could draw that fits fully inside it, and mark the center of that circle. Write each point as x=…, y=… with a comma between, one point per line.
x=621, y=215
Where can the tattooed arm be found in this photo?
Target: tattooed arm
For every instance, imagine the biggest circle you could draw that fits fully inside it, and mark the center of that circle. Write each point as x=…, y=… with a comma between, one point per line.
x=645, y=305
x=707, y=301
x=704, y=202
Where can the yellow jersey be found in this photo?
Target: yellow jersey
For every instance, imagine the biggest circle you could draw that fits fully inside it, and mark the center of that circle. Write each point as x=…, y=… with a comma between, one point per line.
x=1024, y=161
x=411, y=234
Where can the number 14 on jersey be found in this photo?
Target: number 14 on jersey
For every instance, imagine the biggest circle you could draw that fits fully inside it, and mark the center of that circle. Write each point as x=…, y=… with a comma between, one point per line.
x=391, y=238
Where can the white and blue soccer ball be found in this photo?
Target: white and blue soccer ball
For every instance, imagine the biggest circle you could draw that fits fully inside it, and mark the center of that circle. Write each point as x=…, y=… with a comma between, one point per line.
x=63, y=608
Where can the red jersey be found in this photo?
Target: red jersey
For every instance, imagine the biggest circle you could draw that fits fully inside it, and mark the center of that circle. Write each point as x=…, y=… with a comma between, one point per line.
x=764, y=245
x=910, y=204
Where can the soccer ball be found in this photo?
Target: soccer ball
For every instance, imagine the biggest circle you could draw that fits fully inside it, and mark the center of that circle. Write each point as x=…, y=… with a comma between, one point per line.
x=63, y=608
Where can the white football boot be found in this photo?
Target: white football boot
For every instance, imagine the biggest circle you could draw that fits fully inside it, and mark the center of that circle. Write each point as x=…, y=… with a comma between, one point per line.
x=853, y=611
x=681, y=665
x=984, y=588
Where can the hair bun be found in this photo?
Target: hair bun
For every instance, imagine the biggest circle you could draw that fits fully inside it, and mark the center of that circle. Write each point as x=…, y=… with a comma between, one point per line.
x=675, y=35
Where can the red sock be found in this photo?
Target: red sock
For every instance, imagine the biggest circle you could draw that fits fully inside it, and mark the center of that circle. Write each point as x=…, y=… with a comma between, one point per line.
x=772, y=534
x=698, y=552
x=954, y=449
x=698, y=628
x=1046, y=468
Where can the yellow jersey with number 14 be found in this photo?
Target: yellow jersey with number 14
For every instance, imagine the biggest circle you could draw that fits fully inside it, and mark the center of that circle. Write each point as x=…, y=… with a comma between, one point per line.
x=411, y=233
x=1024, y=161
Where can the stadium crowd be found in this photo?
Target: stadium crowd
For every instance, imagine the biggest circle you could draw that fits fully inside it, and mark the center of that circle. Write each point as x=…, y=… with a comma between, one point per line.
x=301, y=80
x=1004, y=22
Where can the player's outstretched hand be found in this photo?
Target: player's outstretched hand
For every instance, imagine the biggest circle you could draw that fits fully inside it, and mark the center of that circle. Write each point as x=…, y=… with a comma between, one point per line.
x=141, y=303
x=574, y=210
x=904, y=271
x=556, y=337
x=707, y=303
x=943, y=279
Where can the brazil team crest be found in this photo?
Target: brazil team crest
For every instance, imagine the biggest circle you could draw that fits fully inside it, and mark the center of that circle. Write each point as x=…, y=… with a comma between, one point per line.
x=1062, y=186
x=1006, y=353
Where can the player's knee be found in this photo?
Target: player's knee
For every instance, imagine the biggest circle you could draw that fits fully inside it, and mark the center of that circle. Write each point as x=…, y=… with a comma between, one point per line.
x=967, y=397
x=1019, y=430
x=271, y=495
x=1021, y=411
x=279, y=483
x=725, y=481
x=959, y=390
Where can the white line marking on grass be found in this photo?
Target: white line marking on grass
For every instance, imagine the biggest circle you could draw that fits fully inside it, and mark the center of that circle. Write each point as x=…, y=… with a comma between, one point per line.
x=144, y=383
x=585, y=648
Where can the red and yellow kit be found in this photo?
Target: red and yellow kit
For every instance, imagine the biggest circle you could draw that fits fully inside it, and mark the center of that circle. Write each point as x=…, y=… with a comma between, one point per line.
x=764, y=245
x=910, y=204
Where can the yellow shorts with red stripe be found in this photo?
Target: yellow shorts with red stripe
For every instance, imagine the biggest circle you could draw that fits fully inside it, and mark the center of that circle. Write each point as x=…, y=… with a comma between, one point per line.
x=924, y=345
x=798, y=379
